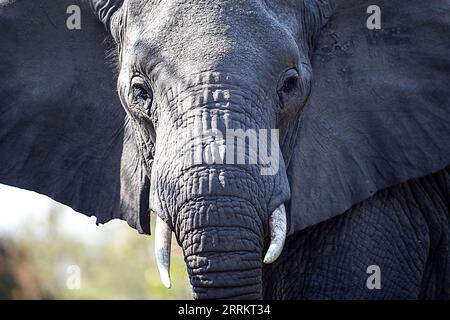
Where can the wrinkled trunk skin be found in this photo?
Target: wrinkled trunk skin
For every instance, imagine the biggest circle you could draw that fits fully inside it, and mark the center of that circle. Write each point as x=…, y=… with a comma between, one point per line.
x=221, y=231
x=222, y=245
x=218, y=211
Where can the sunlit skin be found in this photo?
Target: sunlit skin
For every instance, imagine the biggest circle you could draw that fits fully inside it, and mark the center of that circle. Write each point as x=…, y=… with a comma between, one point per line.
x=335, y=183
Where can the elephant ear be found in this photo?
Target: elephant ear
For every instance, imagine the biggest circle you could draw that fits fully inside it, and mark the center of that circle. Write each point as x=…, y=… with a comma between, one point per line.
x=379, y=109
x=63, y=132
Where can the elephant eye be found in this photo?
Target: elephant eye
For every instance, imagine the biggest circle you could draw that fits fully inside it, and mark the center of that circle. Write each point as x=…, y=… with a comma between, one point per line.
x=140, y=93
x=290, y=84
x=291, y=90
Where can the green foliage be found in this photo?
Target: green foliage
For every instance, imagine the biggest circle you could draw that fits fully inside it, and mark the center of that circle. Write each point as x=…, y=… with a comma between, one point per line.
x=118, y=265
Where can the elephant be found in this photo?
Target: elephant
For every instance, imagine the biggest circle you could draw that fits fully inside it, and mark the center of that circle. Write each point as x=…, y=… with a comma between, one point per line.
x=350, y=199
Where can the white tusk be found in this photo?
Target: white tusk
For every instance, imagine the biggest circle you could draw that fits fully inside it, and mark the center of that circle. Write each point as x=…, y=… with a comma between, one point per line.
x=277, y=224
x=163, y=240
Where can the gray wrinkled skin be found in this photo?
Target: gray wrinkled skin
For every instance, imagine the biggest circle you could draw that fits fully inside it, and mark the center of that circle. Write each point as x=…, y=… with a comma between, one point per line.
x=367, y=116
x=218, y=212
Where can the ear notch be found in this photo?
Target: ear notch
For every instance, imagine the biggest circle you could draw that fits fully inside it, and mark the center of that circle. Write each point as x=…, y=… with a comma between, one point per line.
x=63, y=132
x=378, y=113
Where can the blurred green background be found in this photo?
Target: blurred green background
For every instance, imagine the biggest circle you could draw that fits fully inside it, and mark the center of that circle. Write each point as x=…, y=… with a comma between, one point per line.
x=113, y=260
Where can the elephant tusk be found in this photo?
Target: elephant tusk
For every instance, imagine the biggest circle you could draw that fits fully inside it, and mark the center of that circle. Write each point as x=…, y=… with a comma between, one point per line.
x=163, y=240
x=277, y=224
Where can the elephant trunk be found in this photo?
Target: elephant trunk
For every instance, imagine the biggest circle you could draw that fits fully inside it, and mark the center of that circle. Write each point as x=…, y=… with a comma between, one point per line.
x=210, y=185
x=222, y=243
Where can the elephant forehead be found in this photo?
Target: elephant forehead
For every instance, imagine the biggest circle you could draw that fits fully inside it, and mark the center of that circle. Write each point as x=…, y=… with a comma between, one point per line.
x=202, y=34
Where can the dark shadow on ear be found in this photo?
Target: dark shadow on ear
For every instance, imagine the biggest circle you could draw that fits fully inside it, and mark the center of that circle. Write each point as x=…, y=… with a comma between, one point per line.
x=379, y=110
x=63, y=132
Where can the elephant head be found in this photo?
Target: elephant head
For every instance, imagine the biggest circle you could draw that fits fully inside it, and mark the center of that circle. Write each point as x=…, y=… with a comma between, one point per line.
x=204, y=101
x=241, y=121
